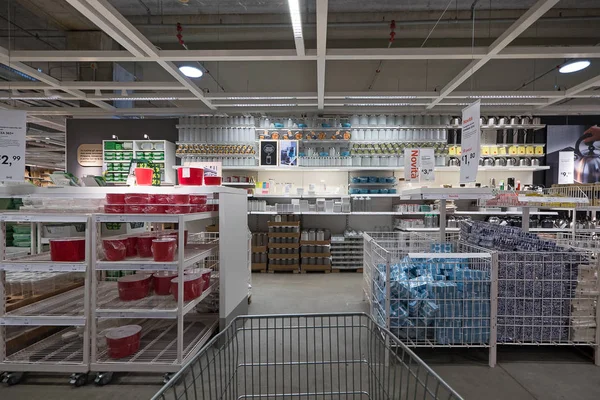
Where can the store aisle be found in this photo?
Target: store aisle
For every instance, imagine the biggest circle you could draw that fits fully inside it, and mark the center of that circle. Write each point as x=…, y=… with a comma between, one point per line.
x=522, y=374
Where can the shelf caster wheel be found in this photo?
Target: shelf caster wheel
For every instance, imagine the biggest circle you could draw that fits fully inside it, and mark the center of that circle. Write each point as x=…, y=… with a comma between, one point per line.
x=12, y=378
x=78, y=380
x=103, y=378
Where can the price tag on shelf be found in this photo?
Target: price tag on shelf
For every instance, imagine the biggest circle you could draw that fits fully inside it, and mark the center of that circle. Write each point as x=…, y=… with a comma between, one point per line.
x=566, y=166
x=427, y=164
x=471, y=142
x=13, y=129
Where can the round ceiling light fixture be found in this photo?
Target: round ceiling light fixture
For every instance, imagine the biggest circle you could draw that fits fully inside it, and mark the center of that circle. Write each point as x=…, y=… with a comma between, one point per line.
x=573, y=66
x=191, y=72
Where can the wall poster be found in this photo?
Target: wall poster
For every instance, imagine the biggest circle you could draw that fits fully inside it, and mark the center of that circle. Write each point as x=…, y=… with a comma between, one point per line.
x=268, y=153
x=288, y=153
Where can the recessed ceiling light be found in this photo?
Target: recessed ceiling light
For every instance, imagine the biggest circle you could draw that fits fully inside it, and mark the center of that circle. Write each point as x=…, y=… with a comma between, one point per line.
x=574, y=66
x=190, y=72
x=47, y=138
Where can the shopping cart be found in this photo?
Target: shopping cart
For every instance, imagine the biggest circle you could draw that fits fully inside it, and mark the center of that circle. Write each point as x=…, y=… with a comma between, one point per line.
x=308, y=356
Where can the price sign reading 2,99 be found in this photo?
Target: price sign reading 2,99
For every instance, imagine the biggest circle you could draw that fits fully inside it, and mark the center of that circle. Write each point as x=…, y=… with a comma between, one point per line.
x=13, y=130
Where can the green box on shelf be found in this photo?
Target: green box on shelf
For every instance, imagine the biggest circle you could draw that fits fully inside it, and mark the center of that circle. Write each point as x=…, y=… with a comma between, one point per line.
x=118, y=146
x=119, y=157
x=109, y=145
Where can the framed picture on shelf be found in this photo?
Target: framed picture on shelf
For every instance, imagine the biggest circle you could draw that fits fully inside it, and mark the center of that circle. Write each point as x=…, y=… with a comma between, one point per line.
x=268, y=153
x=288, y=153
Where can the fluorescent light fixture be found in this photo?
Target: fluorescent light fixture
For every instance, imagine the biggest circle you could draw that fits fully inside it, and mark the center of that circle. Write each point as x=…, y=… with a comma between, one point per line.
x=41, y=97
x=379, y=97
x=142, y=98
x=574, y=66
x=261, y=105
x=258, y=98
x=47, y=138
x=504, y=96
x=191, y=72
x=379, y=105
x=296, y=20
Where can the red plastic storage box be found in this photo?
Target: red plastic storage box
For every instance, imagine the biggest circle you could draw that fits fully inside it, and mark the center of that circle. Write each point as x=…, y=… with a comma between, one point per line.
x=123, y=341
x=193, y=286
x=164, y=249
x=67, y=249
x=115, y=248
x=134, y=287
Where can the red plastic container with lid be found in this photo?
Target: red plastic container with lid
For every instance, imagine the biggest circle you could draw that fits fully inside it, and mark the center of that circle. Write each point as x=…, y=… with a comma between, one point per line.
x=144, y=244
x=164, y=249
x=154, y=209
x=115, y=198
x=134, y=287
x=67, y=249
x=123, y=341
x=205, y=272
x=162, y=282
x=131, y=245
x=115, y=248
x=135, y=208
x=212, y=180
x=193, y=286
x=178, y=209
x=136, y=198
x=197, y=199
x=173, y=233
x=114, y=208
x=190, y=176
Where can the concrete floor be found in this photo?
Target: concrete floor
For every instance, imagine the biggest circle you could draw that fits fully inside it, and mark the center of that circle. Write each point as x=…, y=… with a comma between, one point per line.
x=521, y=374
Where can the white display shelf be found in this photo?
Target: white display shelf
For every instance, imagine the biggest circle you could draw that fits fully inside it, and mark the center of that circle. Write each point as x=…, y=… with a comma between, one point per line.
x=372, y=184
x=248, y=184
x=159, y=218
x=19, y=216
x=426, y=229
x=41, y=263
x=517, y=213
x=483, y=127
x=158, y=346
x=379, y=168
x=193, y=254
x=152, y=307
x=66, y=309
x=446, y=194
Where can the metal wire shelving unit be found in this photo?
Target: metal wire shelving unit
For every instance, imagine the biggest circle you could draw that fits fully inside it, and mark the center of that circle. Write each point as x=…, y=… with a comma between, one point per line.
x=347, y=252
x=172, y=331
x=64, y=316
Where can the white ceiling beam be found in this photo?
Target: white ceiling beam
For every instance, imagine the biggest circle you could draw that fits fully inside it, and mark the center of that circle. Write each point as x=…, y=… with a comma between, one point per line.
x=47, y=123
x=95, y=85
x=524, y=22
x=47, y=79
x=428, y=53
x=101, y=21
x=576, y=90
x=121, y=28
x=322, y=6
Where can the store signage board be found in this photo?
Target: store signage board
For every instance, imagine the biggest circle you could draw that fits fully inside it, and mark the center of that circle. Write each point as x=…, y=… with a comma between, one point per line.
x=471, y=138
x=13, y=131
x=288, y=153
x=566, y=166
x=268, y=153
x=89, y=155
x=419, y=165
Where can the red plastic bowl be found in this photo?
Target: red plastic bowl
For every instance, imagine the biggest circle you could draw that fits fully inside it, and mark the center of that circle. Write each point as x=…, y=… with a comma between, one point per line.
x=212, y=180
x=115, y=249
x=154, y=209
x=193, y=286
x=131, y=244
x=206, y=277
x=144, y=245
x=67, y=249
x=190, y=176
x=134, y=287
x=137, y=198
x=199, y=208
x=115, y=198
x=162, y=282
x=178, y=209
x=114, y=208
x=197, y=199
x=135, y=208
x=123, y=341
x=164, y=249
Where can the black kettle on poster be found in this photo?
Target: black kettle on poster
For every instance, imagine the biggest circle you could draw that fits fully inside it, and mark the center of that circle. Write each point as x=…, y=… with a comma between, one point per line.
x=587, y=162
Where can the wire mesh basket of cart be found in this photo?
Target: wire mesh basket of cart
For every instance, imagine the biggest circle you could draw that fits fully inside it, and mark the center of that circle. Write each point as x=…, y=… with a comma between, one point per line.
x=431, y=293
x=316, y=356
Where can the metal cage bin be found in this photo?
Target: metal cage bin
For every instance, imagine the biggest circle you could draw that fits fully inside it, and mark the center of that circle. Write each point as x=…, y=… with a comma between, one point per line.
x=430, y=293
x=316, y=356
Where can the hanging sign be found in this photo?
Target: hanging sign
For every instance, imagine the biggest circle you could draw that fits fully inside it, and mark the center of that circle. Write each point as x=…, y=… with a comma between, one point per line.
x=13, y=132
x=427, y=165
x=268, y=155
x=419, y=165
x=566, y=166
x=471, y=138
x=89, y=155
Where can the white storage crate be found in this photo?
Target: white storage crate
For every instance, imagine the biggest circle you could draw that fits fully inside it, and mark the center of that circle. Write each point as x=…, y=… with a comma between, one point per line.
x=430, y=293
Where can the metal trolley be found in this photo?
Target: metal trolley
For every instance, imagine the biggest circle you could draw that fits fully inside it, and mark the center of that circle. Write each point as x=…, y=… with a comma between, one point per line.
x=316, y=356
